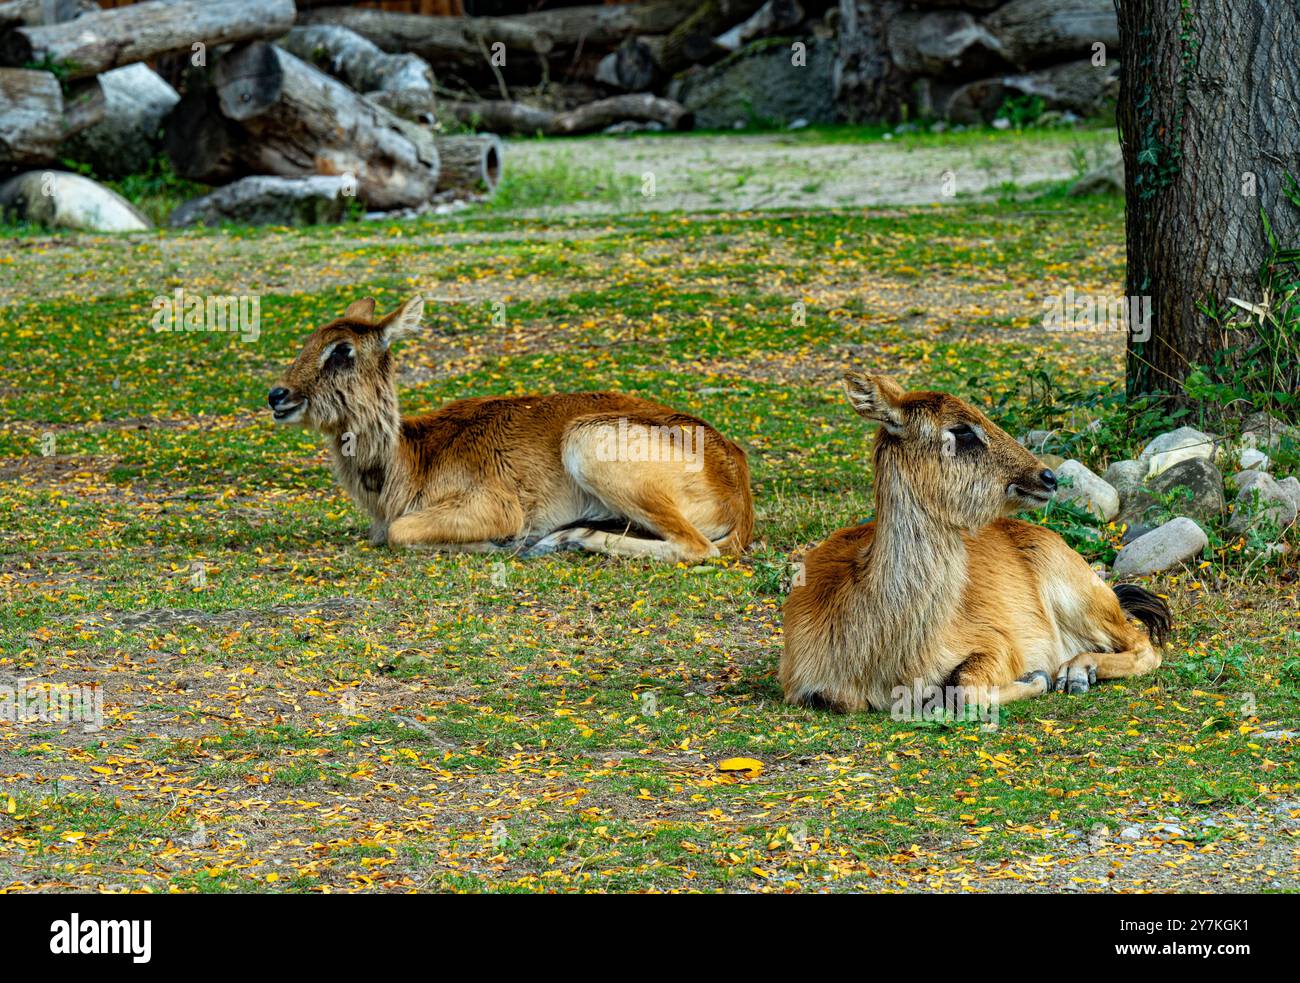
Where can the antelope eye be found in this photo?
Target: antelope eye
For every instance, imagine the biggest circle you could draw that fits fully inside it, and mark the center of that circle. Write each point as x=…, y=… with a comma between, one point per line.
x=341, y=356
x=966, y=437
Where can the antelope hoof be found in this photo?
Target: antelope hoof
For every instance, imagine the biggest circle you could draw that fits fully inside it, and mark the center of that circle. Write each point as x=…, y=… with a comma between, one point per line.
x=1040, y=677
x=1074, y=679
x=378, y=535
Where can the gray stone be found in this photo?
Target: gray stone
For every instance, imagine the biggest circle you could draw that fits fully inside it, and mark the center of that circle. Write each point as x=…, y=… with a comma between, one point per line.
x=1125, y=477
x=1036, y=440
x=1291, y=488
x=1202, y=479
x=1177, y=445
x=268, y=201
x=1086, y=489
x=1174, y=544
x=1261, y=498
x=128, y=138
x=62, y=200
x=1139, y=510
x=1267, y=432
x=759, y=84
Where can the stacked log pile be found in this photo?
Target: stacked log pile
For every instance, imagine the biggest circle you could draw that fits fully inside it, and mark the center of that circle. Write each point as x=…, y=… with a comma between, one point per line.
x=314, y=89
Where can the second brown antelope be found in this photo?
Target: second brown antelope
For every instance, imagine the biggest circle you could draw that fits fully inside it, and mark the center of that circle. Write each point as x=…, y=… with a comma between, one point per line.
x=942, y=589
x=594, y=471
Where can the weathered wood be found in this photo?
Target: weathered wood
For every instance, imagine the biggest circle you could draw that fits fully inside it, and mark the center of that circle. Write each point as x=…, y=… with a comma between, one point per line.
x=1077, y=86
x=133, y=101
x=631, y=66
x=691, y=42
x=1042, y=32
x=773, y=16
x=943, y=44
x=514, y=117
x=303, y=122
x=262, y=200
x=469, y=163
x=99, y=41
x=35, y=118
x=401, y=83
x=30, y=13
x=463, y=46
x=201, y=144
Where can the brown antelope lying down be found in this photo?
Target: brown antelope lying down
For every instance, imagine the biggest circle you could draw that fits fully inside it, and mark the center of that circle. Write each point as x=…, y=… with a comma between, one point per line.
x=941, y=589
x=595, y=471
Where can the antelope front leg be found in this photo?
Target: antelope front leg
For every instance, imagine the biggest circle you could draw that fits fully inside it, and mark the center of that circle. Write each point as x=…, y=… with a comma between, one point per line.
x=1083, y=671
x=468, y=522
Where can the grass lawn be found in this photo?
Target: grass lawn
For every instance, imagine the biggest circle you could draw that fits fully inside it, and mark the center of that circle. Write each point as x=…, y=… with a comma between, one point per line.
x=287, y=708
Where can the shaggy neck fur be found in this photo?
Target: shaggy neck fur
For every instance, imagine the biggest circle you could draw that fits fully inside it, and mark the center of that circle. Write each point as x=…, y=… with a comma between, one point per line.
x=364, y=449
x=909, y=589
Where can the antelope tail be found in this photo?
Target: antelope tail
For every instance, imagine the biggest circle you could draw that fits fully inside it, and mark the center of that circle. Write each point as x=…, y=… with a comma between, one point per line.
x=1147, y=608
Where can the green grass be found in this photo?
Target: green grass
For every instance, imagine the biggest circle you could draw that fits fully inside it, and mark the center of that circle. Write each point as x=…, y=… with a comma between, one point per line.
x=335, y=717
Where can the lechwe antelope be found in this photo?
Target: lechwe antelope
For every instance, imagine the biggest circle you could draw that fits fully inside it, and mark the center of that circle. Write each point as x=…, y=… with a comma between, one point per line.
x=941, y=589
x=594, y=471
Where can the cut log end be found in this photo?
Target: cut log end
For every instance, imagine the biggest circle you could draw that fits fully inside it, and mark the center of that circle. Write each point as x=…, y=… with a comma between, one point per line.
x=469, y=164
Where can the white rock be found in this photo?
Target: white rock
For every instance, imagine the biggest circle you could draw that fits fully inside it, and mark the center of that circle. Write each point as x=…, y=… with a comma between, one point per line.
x=1252, y=459
x=1177, y=445
x=1088, y=490
x=1174, y=544
x=1291, y=488
x=1262, y=496
x=1130, y=833
x=59, y=199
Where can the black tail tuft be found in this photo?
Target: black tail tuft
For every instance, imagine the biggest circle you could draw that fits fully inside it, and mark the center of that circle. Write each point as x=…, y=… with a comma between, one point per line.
x=1149, y=609
x=818, y=701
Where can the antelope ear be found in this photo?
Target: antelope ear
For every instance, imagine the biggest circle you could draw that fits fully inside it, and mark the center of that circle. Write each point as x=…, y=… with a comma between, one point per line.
x=362, y=310
x=876, y=398
x=404, y=321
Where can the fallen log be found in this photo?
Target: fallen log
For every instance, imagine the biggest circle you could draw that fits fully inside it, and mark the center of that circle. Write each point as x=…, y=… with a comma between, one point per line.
x=773, y=16
x=401, y=83
x=1078, y=87
x=463, y=46
x=302, y=122
x=515, y=117
x=1041, y=32
x=691, y=41
x=108, y=39
x=943, y=44
x=469, y=163
x=631, y=67
x=35, y=118
x=201, y=144
x=133, y=102
x=30, y=13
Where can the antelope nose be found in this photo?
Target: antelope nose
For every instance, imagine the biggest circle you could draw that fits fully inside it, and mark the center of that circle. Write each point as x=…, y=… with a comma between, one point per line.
x=1048, y=479
x=279, y=394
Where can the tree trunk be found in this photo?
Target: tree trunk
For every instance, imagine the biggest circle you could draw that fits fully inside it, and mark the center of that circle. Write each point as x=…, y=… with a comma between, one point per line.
x=469, y=163
x=691, y=42
x=110, y=38
x=514, y=117
x=401, y=83
x=1210, y=129
x=302, y=122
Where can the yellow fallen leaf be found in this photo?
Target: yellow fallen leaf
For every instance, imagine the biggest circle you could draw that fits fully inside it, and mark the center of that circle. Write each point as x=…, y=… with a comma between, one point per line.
x=752, y=765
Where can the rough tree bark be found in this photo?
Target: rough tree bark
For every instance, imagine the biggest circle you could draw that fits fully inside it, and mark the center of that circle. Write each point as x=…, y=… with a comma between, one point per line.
x=867, y=83
x=1209, y=117
x=35, y=117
